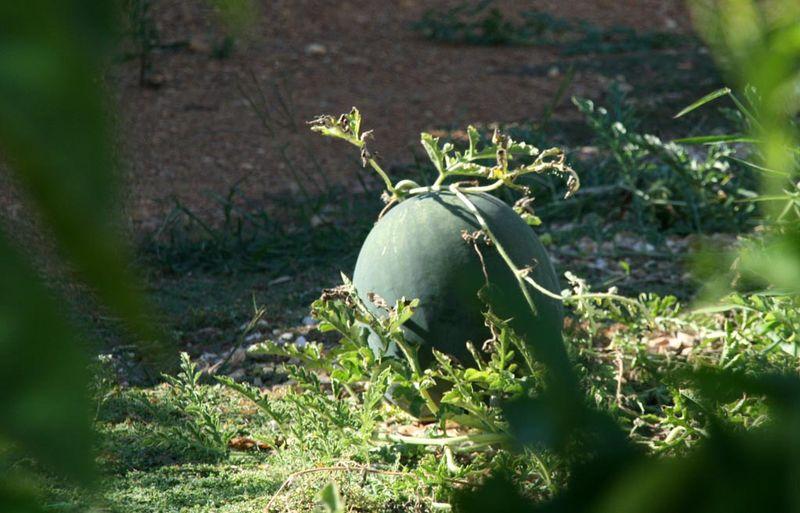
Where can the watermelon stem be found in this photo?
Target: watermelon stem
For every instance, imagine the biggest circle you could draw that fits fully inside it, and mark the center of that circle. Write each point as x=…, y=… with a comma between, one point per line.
x=574, y=298
x=413, y=362
x=450, y=162
x=454, y=188
x=481, y=439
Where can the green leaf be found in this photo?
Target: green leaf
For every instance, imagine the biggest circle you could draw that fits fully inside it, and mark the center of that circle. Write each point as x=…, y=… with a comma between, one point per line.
x=716, y=139
x=55, y=129
x=531, y=219
x=705, y=99
x=435, y=153
x=474, y=137
x=584, y=106
x=757, y=167
x=42, y=373
x=402, y=312
x=331, y=500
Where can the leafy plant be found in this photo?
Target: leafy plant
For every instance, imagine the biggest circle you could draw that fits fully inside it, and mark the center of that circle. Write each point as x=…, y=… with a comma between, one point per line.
x=664, y=184
x=203, y=428
x=494, y=162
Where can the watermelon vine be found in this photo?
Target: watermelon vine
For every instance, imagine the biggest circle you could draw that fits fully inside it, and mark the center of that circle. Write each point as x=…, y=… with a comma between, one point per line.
x=468, y=167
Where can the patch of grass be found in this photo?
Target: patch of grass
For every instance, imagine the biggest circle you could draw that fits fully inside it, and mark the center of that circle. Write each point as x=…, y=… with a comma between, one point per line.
x=239, y=486
x=656, y=83
x=627, y=360
x=481, y=23
x=292, y=236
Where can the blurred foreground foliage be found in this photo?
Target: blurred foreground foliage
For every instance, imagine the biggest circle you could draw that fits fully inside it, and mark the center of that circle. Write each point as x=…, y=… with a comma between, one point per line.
x=56, y=138
x=732, y=470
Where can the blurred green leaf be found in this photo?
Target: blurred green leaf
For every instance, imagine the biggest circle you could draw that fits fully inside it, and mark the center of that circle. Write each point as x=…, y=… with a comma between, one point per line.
x=716, y=139
x=42, y=373
x=55, y=135
x=55, y=127
x=705, y=99
x=496, y=494
x=331, y=501
x=18, y=497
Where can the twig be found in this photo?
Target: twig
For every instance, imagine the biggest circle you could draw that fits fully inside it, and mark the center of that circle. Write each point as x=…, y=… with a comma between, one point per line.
x=448, y=441
x=258, y=314
x=392, y=202
x=620, y=370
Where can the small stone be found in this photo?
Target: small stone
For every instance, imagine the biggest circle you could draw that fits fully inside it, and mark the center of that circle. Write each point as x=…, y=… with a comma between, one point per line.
x=279, y=280
x=155, y=80
x=316, y=49
x=206, y=334
x=256, y=335
x=238, y=356
x=199, y=45
x=301, y=342
x=587, y=245
x=287, y=336
x=356, y=60
x=317, y=220
x=309, y=321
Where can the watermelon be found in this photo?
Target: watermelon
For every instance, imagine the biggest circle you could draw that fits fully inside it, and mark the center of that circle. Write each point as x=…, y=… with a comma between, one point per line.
x=417, y=250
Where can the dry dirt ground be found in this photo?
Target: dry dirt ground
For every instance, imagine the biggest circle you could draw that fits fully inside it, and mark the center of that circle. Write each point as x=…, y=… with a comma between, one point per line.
x=196, y=135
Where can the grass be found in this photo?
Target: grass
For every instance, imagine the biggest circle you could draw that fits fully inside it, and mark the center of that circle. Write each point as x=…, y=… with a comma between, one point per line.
x=481, y=23
x=624, y=362
x=146, y=467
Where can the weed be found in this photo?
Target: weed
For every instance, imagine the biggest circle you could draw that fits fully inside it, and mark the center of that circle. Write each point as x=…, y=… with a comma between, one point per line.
x=666, y=185
x=224, y=47
x=480, y=23
x=255, y=239
x=144, y=35
x=202, y=427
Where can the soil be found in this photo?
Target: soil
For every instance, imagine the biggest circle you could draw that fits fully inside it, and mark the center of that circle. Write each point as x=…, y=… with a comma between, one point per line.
x=195, y=136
